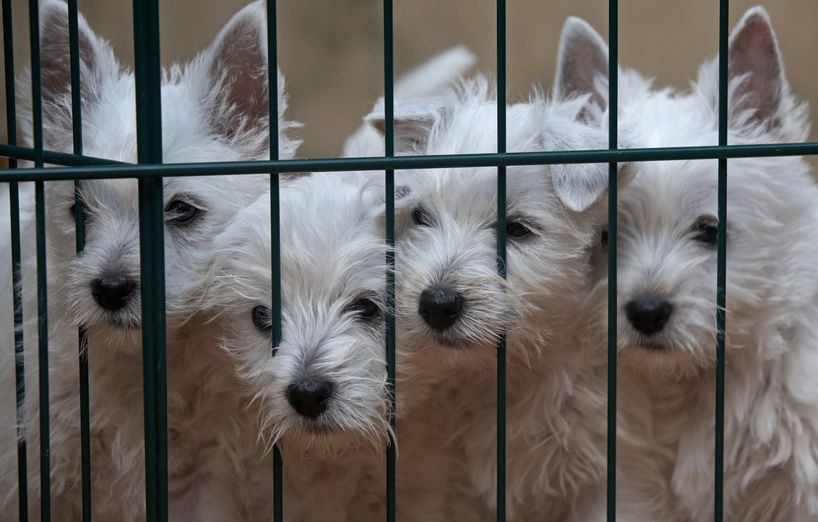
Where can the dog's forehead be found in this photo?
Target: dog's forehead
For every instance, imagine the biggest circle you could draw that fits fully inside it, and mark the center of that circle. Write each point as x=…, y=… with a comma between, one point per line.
x=467, y=193
x=668, y=193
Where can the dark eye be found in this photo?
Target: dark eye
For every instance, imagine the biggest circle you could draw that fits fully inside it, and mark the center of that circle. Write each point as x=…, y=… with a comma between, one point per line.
x=181, y=212
x=517, y=230
x=603, y=240
x=366, y=309
x=706, y=230
x=420, y=217
x=262, y=318
x=73, y=209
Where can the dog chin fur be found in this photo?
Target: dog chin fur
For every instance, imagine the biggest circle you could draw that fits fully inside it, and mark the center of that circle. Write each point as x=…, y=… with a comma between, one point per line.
x=212, y=433
x=771, y=420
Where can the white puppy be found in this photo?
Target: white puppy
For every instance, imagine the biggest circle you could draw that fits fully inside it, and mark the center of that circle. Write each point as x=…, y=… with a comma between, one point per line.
x=214, y=108
x=452, y=306
x=322, y=391
x=667, y=293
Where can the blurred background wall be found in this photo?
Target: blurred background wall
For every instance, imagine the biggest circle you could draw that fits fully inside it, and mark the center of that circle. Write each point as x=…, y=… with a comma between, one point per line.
x=331, y=50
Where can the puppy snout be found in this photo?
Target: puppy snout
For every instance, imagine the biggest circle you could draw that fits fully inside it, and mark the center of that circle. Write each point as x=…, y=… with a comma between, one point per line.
x=113, y=292
x=310, y=397
x=649, y=313
x=440, y=307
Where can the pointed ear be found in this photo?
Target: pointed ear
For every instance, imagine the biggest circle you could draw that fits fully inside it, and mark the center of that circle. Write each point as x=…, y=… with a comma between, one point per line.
x=97, y=62
x=755, y=62
x=235, y=86
x=414, y=119
x=582, y=60
x=581, y=185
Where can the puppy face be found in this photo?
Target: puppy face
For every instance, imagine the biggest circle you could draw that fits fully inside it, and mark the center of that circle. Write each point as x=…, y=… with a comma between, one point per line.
x=102, y=283
x=452, y=304
x=213, y=109
x=668, y=235
x=325, y=386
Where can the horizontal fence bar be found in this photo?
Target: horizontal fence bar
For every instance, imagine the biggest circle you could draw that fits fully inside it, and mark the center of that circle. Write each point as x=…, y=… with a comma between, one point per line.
x=54, y=157
x=129, y=170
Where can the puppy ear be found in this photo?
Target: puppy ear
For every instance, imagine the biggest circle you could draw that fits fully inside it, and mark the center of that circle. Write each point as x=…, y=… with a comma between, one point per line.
x=235, y=92
x=580, y=185
x=97, y=63
x=405, y=201
x=582, y=60
x=755, y=64
x=413, y=120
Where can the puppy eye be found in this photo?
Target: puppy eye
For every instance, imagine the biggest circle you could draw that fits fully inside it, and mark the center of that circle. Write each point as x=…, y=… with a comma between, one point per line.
x=181, y=212
x=706, y=230
x=73, y=209
x=517, y=230
x=603, y=240
x=420, y=217
x=366, y=309
x=262, y=318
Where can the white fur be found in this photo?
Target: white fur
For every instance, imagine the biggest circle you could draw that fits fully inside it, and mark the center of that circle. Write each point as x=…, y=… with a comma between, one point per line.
x=555, y=399
x=211, y=112
x=333, y=256
x=771, y=417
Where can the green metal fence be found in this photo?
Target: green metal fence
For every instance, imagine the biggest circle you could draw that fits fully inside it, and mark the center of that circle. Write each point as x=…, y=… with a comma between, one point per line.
x=150, y=171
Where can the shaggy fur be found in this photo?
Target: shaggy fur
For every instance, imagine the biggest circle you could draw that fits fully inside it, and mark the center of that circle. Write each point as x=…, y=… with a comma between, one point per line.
x=446, y=221
x=771, y=417
x=214, y=109
x=333, y=274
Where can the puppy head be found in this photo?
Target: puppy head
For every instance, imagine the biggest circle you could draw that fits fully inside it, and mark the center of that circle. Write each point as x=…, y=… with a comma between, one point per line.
x=214, y=109
x=667, y=246
x=450, y=297
x=324, y=387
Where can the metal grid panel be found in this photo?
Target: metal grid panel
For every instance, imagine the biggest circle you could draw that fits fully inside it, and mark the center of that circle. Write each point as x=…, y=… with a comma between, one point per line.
x=150, y=173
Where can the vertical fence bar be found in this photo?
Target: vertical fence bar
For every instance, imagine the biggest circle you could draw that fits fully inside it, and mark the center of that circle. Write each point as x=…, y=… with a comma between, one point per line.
x=79, y=223
x=151, y=253
x=721, y=275
x=501, y=257
x=613, y=142
x=389, y=147
x=16, y=257
x=275, y=233
x=42, y=291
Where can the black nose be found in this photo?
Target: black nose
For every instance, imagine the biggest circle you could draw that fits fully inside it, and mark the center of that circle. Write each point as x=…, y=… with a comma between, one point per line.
x=649, y=313
x=440, y=307
x=113, y=292
x=310, y=398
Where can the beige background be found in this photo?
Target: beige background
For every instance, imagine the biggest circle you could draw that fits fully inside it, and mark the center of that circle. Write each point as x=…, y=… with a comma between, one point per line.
x=331, y=50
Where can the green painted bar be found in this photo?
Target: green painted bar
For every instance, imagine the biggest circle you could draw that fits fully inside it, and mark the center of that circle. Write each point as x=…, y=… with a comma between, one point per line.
x=275, y=235
x=613, y=143
x=17, y=298
x=721, y=276
x=79, y=220
x=389, y=149
x=56, y=158
x=145, y=171
x=19, y=370
x=151, y=251
x=42, y=290
x=501, y=257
